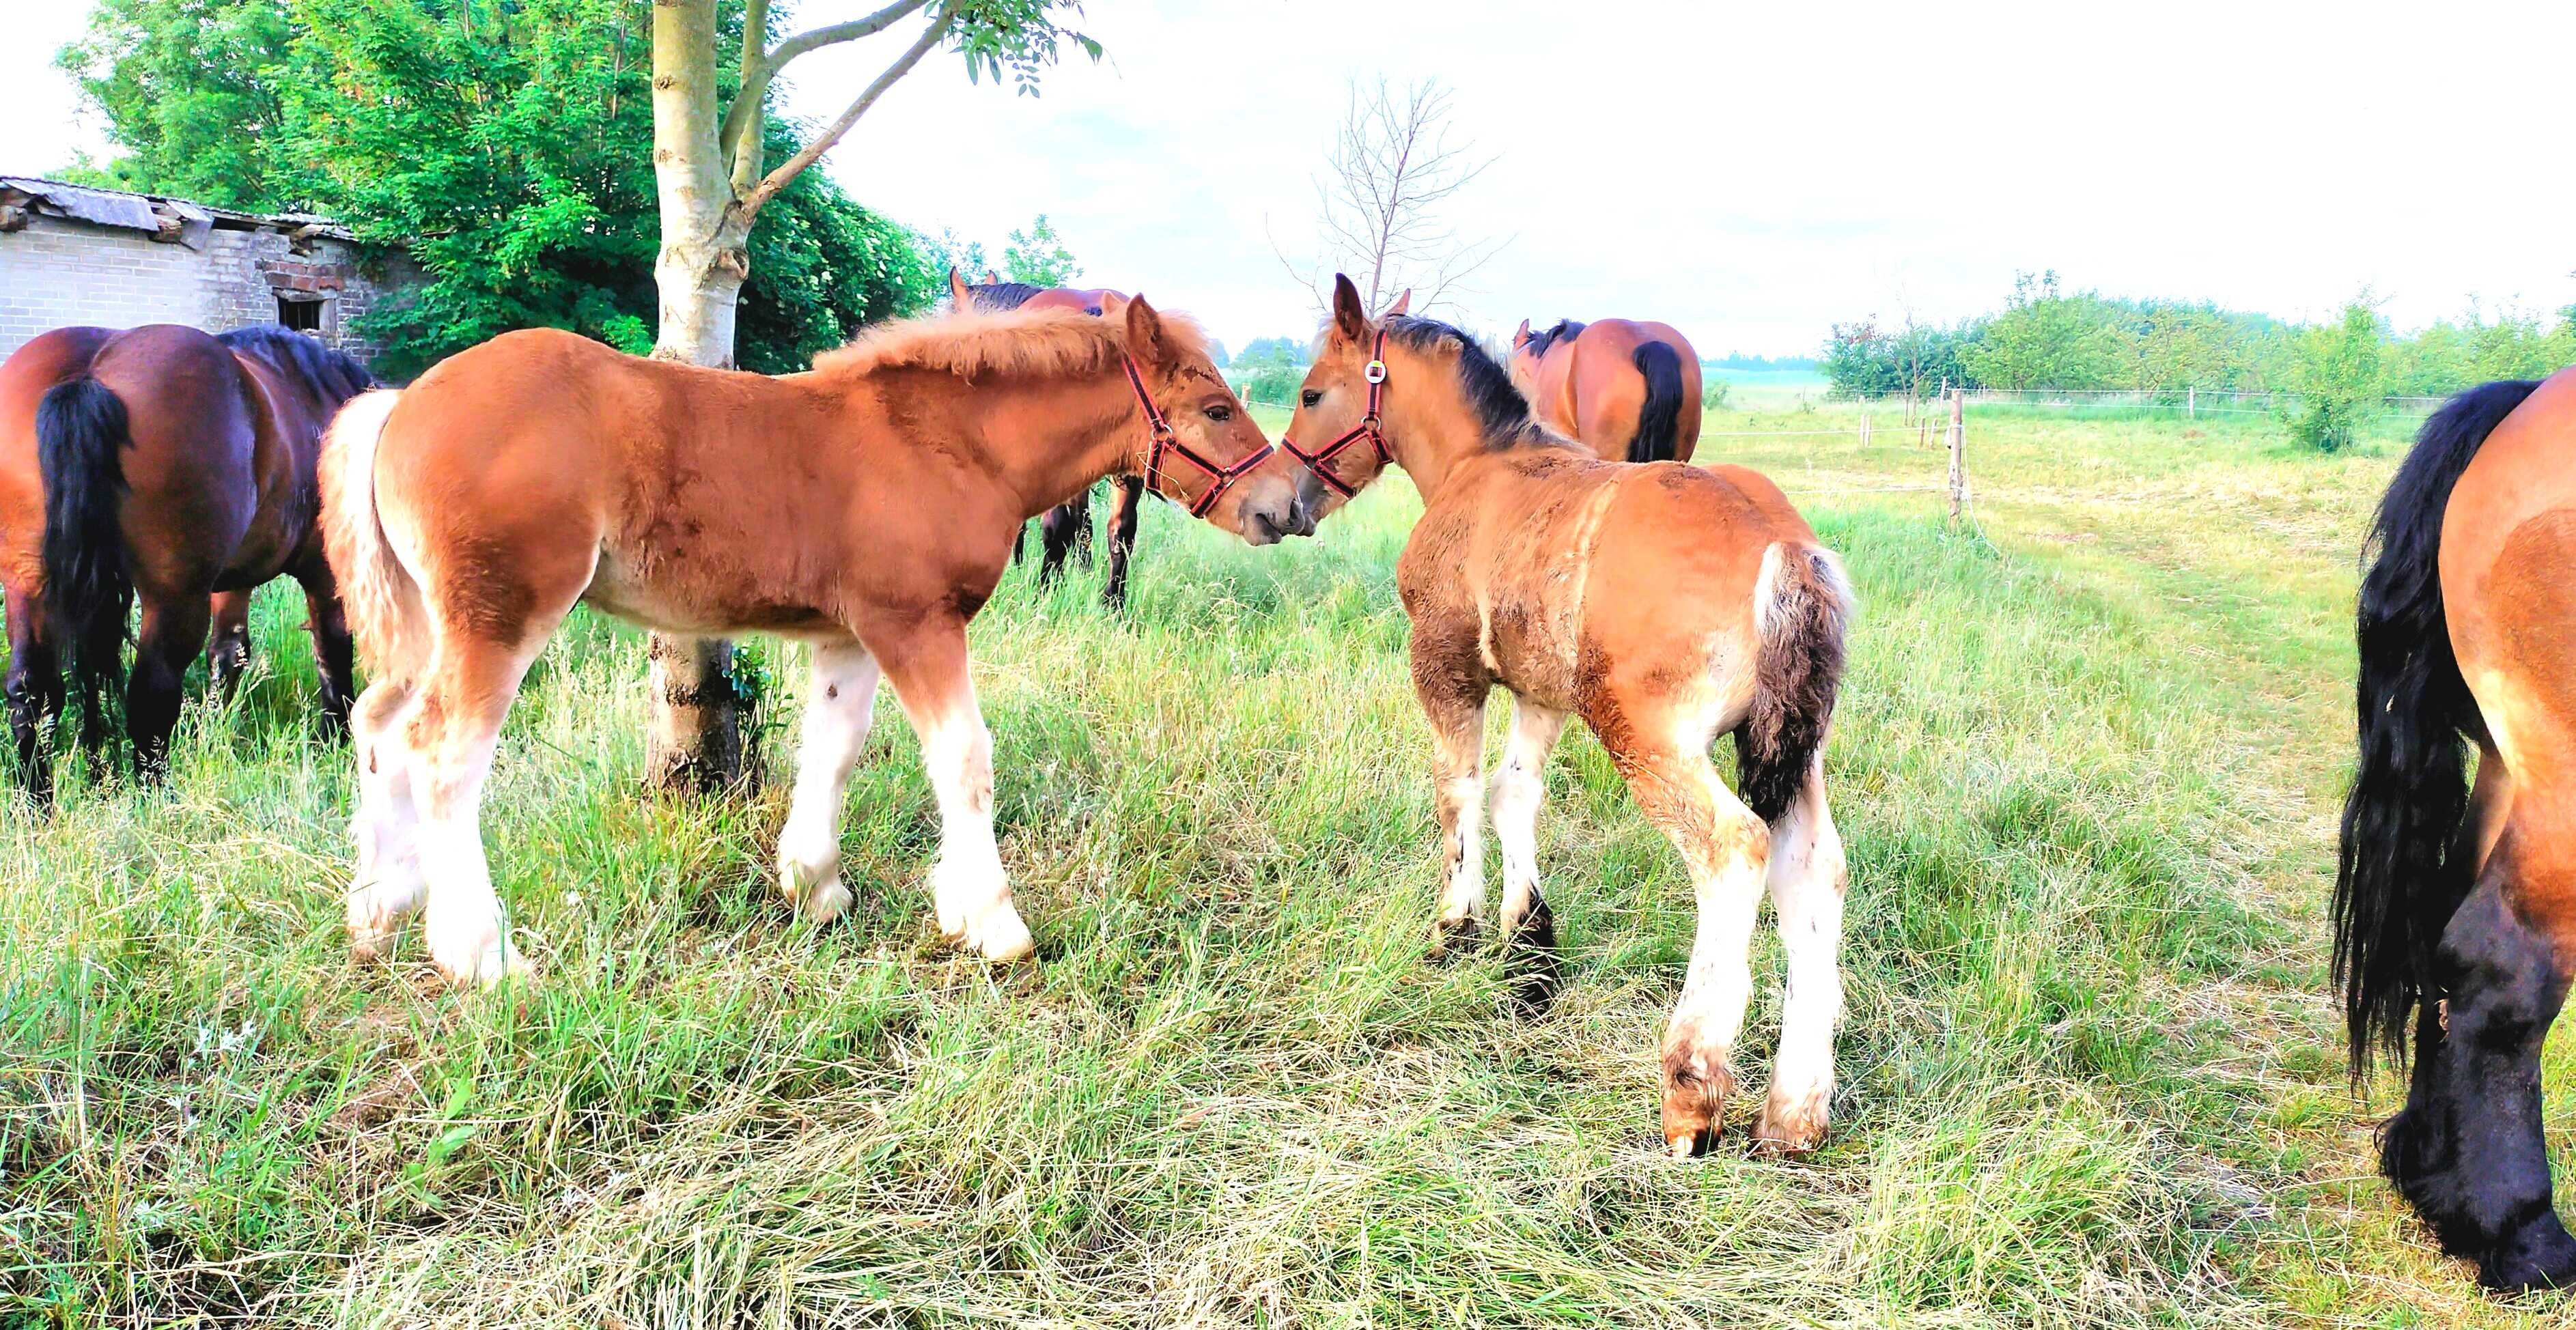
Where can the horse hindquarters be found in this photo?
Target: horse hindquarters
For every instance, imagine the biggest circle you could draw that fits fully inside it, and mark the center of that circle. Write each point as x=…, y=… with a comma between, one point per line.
x=83, y=432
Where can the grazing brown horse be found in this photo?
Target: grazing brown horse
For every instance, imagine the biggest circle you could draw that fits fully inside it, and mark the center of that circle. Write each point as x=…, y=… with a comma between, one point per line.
x=165, y=465
x=1066, y=528
x=1623, y=389
x=2455, y=905
x=1664, y=605
x=866, y=508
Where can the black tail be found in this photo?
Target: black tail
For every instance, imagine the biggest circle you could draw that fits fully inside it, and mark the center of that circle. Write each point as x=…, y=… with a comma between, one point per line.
x=81, y=435
x=1659, y=421
x=2405, y=864
x=1801, y=607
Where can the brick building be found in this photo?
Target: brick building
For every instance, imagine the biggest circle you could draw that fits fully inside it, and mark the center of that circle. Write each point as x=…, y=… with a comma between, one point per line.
x=70, y=254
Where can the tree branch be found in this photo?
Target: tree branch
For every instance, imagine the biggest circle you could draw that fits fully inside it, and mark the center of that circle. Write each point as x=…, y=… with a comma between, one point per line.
x=789, y=169
x=759, y=69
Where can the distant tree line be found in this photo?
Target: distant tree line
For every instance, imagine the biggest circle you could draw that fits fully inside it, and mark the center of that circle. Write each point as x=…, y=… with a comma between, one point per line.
x=2046, y=338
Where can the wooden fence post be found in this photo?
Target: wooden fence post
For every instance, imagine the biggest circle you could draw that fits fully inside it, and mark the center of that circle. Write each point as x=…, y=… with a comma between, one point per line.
x=1958, y=454
x=1864, y=422
x=2191, y=403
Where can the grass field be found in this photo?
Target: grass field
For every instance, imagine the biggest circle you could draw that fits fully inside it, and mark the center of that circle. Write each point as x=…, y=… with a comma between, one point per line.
x=2087, y=765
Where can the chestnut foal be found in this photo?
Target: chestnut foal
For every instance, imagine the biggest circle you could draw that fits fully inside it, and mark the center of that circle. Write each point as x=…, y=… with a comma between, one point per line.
x=1662, y=603
x=866, y=508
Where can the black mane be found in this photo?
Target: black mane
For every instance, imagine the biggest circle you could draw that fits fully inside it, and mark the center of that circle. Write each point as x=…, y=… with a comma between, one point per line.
x=1499, y=406
x=1565, y=330
x=333, y=373
x=995, y=297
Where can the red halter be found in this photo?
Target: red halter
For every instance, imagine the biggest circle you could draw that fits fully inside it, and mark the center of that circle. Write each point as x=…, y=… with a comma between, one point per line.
x=1319, y=462
x=1166, y=441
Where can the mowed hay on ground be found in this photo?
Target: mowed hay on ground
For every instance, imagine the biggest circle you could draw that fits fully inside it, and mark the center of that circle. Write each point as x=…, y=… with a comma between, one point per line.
x=2086, y=763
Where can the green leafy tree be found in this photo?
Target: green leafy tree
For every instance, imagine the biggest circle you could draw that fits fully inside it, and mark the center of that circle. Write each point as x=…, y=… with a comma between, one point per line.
x=1038, y=257
x=191, y=91
x=2046, y=339
x=2338, y=378
x=502, y=145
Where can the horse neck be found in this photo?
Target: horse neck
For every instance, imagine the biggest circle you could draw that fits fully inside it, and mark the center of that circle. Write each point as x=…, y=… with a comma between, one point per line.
x=1049, y=439
x=1429, y=426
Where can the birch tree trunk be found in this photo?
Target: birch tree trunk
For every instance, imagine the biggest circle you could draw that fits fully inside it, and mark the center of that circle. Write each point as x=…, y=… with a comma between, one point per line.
x=695, y=739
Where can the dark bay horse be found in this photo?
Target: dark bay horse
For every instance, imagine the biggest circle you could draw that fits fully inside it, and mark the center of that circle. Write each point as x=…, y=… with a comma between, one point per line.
x=167, y=466
x=1663, y=604
x=866, y=508
x=1066, y=528
x=1622, y=388
x=2455, y=903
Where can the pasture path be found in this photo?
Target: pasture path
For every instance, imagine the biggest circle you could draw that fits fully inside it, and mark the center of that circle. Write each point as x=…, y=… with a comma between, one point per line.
x=2088, y=774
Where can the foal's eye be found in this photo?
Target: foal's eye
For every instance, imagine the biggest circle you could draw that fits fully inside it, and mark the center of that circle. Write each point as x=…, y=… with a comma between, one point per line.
x=1314, y=395
x=1220, y=413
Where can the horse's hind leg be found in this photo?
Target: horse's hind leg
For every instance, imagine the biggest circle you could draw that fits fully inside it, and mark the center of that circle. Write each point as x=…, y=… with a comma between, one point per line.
x=174, y=631
x=1728, y=851
x=839, y=704
x=228, y=647
x=2468, y=1150
x=453, y=732
x=389, y=887
x=35, y=694
x=1808, y=877
x=1519, y=787
x=1122, y=538
x=333, y=652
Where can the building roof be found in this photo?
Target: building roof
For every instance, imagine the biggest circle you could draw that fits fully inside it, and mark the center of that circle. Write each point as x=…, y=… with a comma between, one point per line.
x=181, y=220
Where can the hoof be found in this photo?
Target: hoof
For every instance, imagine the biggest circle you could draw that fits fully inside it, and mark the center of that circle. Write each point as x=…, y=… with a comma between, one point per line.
x=2540, y=1255
x=1696, y=1088
x=998, y=936
x=476, y=957
x=1790, y=1131
x=372, y=925
x=821, y=903
x=1537, y=969
x=1451, y=938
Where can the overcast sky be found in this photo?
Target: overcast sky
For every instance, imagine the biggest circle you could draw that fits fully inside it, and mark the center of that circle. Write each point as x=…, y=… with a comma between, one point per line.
x=1750, y=174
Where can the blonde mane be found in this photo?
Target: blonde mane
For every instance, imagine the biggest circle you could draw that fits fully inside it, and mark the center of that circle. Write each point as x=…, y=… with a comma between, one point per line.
x=1046, y=342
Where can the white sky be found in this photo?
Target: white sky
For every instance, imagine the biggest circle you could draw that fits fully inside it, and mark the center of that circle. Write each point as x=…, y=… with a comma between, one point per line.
x=1748, y=173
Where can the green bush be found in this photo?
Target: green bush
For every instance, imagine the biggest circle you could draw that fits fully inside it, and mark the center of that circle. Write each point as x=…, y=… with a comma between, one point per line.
x=1712, y=393
x=2338, y=373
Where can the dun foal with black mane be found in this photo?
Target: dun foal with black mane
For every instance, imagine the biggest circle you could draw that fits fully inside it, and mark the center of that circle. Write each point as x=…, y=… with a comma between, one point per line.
x=1665, y=605
x=866, y=508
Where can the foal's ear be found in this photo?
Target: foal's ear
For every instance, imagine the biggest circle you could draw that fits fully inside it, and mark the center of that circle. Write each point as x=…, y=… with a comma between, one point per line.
x=1521, y=338
x=1402, y=304
x=1112, y=305
x=1145, y=339
x=1349, y=314
x=958, y=293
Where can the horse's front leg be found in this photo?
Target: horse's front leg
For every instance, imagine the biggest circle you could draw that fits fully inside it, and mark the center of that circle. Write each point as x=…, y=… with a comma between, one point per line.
x=925, y=660
x=840, y=701
x=1451, y=683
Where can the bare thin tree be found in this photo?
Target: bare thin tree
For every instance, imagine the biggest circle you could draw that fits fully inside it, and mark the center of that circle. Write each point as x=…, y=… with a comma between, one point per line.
x=1380, y=201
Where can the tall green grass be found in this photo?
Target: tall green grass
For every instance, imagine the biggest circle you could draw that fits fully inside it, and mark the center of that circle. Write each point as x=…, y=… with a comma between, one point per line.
x=2084, y=766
